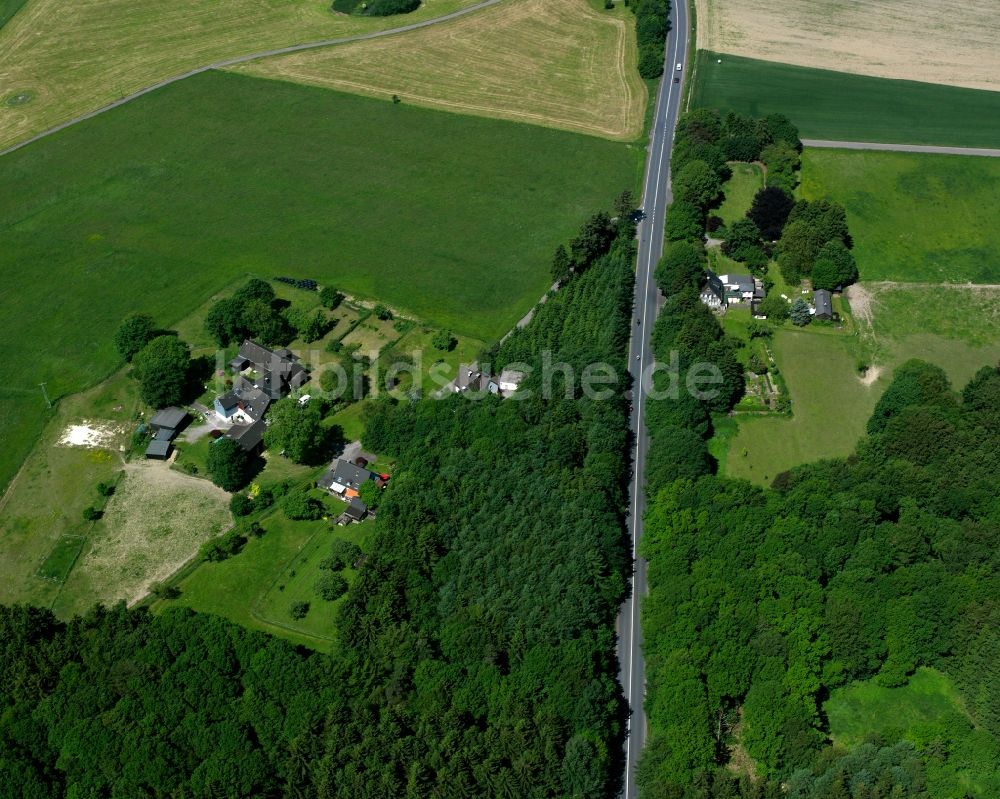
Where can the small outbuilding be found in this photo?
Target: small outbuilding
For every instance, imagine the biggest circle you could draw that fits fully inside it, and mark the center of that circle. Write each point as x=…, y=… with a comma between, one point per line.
x=167, y=422
x=823, y=303
x=158, y=449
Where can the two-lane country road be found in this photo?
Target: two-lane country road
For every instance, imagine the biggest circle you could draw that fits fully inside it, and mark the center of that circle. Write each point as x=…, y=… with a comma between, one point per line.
x=656, y=197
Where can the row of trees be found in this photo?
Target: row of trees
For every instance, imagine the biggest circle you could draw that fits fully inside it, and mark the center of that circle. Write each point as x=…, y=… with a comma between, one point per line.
x=652, y=23
x=476, y=652
x=763, y=601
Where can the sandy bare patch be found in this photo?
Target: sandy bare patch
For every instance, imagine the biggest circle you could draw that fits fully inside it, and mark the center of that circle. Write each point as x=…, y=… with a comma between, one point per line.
x=872, y=373
x=154, y=523
x=556, y=63
x=938, y=41
x=93, y=435
x=860, y=300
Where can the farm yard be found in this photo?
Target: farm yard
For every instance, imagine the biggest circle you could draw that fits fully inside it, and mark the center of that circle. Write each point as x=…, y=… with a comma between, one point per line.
x=123, y=201
x=840, y=106
x=556, y=63
x=914, y=217
x=951, y=41
x=73, y=60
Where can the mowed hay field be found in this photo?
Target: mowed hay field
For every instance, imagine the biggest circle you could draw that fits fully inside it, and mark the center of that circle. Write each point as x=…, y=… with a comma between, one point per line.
x=154, y=523
x=75, y=58
x=938, y=41
x=550, y=62
x=158, y=204
x=914, y=217
x=834, y=105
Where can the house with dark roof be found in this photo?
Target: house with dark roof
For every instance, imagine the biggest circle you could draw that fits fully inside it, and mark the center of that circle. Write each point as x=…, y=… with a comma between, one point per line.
x=244, y=402
x=721, y=291
x=823, y=303
x=355, y=511
x=471, y=378
x=279, y=371
x=248, y=436
x=712, y=292
x=344, y=480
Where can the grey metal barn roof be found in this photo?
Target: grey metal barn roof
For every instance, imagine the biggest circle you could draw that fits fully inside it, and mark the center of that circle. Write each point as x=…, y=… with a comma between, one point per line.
x=158, y=448
x=168, y=417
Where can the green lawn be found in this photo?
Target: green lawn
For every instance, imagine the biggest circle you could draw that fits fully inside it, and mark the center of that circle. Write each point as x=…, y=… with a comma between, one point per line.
x=739, y=190
x=297, y=583
x=161, y=203
x=836, y=105
x=914, y=217
x=928, y=708
x=830, y=404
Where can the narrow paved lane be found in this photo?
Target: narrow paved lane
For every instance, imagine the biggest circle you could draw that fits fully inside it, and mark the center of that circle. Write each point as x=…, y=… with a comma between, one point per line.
x=228, y=62
x=655, y=198
x=900, y=148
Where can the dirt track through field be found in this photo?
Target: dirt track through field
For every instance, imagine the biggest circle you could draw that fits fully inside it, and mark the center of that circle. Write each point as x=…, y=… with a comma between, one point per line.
x=953, y=42
x=556, y=63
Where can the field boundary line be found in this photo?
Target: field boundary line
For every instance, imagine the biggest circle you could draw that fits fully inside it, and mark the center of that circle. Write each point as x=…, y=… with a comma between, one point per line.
x=901, y=148
x=229, y=62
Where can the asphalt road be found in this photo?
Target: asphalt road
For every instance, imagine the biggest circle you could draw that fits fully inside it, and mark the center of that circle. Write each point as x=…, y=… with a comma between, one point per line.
x=244, y=58
x=900, y=148
x=656, y=197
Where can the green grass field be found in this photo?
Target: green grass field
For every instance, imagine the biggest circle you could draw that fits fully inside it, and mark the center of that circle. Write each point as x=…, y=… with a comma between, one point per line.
x=157, y=205
x=8, y=8
x=739, y=191
x=245, y=588
x=836, y=105
x=830, y=407
x=830, y=403
x=914, y=217
x=928, y=708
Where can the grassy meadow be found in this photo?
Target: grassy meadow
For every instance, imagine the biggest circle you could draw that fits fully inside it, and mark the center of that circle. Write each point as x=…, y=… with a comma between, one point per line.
x=123, y=213
x=739, y=191
x=830, y=407
x=42, y=530
x=914, y=217
x=836, y=105
x=558, y=63
x=831, y=403
x=256, y=587
x=928, y=707
x=76, y=58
